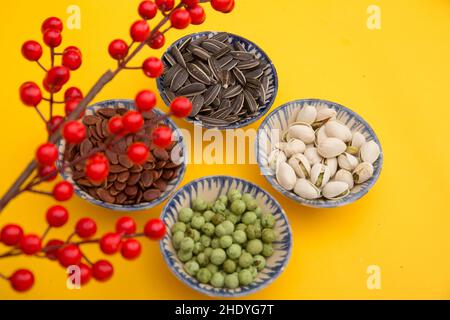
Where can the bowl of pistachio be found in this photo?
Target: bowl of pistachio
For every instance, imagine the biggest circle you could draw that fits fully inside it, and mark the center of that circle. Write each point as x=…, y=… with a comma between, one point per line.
x=226, y=236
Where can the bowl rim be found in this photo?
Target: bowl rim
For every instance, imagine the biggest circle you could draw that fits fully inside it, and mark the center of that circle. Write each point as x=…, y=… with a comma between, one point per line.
x=244, y=122
x=320, y=203
x=136, y=207
x=210, y=293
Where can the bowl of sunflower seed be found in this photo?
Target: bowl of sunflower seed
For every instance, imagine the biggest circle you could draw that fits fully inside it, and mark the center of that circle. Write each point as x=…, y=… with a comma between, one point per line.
x=230, y=81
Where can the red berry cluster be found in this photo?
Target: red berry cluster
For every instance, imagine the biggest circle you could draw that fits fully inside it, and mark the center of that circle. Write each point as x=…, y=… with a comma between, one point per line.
x=68, y=252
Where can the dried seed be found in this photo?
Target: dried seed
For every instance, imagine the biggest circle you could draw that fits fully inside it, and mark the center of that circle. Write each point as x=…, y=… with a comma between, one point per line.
x=151, y=194
x=249, y=64
x=250, y=102
x=237, y=103
x=221, y=36
x=106, y=112
x=254, y=74
x=198, y=74
x=117, y=168
x=184, y=44
x=214, y=67
x=222, y=52
x=179, y=79
x=211, y=94
x=224, y=61
x=192, y=89
x=169, y=95
x=211, y=47
x=239, y=76
x=90, y=120
x=230, y=65
x=197, y=104
x=123, y=176
x=85, y=147
x=170, y=74
x=105, y=196
x=200, y=52
x=170, y=59
x=232, y=91
x=134, y=179
x=178, y=56
x=244, y=56
x=147, y=178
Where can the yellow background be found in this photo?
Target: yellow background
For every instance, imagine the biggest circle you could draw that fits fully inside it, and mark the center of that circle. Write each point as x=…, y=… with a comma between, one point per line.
x=397, y=78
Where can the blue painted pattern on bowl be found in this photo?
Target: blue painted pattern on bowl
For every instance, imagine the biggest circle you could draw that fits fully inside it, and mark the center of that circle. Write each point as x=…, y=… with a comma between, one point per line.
x=270, y=72
x=129, y=104
x=281, y=117
x=210, y=188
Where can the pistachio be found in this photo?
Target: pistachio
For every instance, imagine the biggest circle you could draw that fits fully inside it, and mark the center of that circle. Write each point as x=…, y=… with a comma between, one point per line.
x=312, y=155
x=286, y=176
x=347, y=161
x=307, y=114
x=331, y=147
x=334, y=190
x=320, y=135
x=320, y=175
x=363, y=172
x=305, y=189
x=370, y=151
x=275, y=157
x=301, y=165
x=352, y=150
x=338, y=130
x=300, y=131
x=294, y=146
x=332, y=164
x=323, y=115
x=345, y=176
x=358, y=139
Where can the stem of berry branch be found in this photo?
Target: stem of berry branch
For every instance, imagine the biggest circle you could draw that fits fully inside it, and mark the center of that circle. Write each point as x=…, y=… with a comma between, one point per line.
x=109, y=75
x=40, y=65
x=40, y=115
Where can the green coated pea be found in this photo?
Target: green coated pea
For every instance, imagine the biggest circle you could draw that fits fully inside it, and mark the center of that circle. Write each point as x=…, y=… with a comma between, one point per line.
x=217, y=219
x=267, y=220
x=239, y=236
x=268, y=235
x=184, y=256
x=205, y=241
x=197, y=222
x=234, y=194
x=178, y=226
x=229, y=266
x=253, y=271
x=219, y=207
x=229, y=227
x=215, y=243
x=238, y=207
x=241, y=226
x=267, y=250
x=259, y=262
x=223, y=198
x=218, y=256
x=254, y=246
x=247, y=197
x=208, y=229
x=177, y=238
x=185, y=215
x=187, y=244
x=199, y=204
x=191, y=267
x=245, y=260
x=225, y=241
x=234, y=251
x=233, y=218
x=245, y=277
x=204, y=275
x=212, y=268
x=231, y=281
x=249, y=217
x=202, y=259
x=253, y=232
x=193, y=234
x=198, y=247
x=258, y=212
x=217, y=280
x=208, y=214
x=208, y=252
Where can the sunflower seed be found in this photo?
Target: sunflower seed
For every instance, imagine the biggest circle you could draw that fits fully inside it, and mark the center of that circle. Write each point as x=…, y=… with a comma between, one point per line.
x=230, y=65
x=250, y=102
x=170, y=59
x=224, y=60
x=214, y=67
x=239, y=47
x=184, y=44
x=237, y=103
x=211, y=94
x=221, y=36
x=169, y=95
x=254, y=74
x=197, y=104
x=239, y=76
x=179, y=79
x=244, y=56
x=249, y=64
x=232, y=91
x=200, y=52
x=222, y=52
x=211, y=47
x=192, y=89
x=178, y=56
x=199, y=40
x=168, y=76
x=197, y=73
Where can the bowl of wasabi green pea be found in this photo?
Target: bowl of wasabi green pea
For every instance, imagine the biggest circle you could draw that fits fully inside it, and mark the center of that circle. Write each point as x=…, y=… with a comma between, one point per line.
x=226, y=236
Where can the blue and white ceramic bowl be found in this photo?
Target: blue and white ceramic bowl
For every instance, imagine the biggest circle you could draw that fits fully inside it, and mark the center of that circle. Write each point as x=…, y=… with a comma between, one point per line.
x=129, y=104
x=281, y=117
x=209, y=188
x=250, y=47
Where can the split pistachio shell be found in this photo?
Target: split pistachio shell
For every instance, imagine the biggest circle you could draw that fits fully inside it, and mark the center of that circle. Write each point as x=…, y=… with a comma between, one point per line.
x=331, y=147
x=338, y=130
x=320, y=135
x=301, y=131
x=345, y=176
x=370, y=151
x=307, y=114
x=320, y=175
x=294, y=146
x=347, y=161
x=286, y=176
x=280, y=145
x=275, y=157
x=334, y=190
x=305, y=189
x=301, y=165
x=332, y=164
x=312, y=155
x=363, y=172
x=358, y=139
x=325, y=114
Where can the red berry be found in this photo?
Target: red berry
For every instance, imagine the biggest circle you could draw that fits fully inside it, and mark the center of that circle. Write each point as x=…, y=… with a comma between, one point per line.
x=63, y=191
x=138, y=152
x=11, y=234
x=165, y=5
x=30, y=244
x=85, y=228
x=52, y=247
x=180, y=19
x=74, y=132
x=139, y=30
x=32, y=50
x=190, y=3
x=50, y=88
x=162, y=136
x=153, y=67
x=71, y=60
x=47, y=154
x=52, y=23
x=73, y=93
x=30, y=94
x=69, y=255
x=222, y=5
x=57, y=76
x=57, y=216
x=132, y=121
x=73, y=48
x=118, y=49
x=55, y=123
x=85, y=273
x=22, y=280
x=125, y=225
x=115, y=125
x=102, y=270
x=155, y=229
x=145, y=100
x=97, y=168
x=47, y=172
x=181, y=107
x=147, y=10
x=231, y=7
x=71, y=105
x=110, y=243
x=131, y=249
x=157, y=41
x=52, y=38
x=197, y=14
